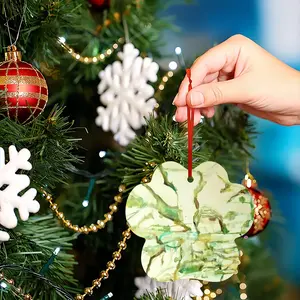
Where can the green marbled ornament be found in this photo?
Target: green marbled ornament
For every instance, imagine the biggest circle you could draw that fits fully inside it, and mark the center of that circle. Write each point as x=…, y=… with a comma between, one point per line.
x=190, y=228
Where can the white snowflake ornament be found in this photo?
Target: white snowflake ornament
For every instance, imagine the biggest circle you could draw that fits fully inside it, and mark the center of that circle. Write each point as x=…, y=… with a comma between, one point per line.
x=183, y=289
x=11, y=185
x=125, y=92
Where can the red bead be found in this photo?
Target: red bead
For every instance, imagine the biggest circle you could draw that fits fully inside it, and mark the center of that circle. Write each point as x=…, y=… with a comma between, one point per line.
x=100, y=3
x=26, y=90
x=262, y=212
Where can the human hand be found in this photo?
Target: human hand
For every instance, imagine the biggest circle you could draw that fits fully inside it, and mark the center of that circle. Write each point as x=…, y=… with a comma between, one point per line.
x=240, y=72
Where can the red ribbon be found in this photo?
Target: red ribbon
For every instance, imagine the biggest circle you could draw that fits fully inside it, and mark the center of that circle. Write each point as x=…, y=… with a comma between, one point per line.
x=190, y=120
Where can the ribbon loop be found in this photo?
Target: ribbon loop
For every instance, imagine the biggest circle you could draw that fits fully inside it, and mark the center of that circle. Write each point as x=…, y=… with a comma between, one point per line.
x=190, y=121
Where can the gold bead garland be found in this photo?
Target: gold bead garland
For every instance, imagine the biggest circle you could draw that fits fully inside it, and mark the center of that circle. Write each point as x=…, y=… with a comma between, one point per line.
x=92, y=227
x=91, y=59
x=122, y=245
x=17, y=289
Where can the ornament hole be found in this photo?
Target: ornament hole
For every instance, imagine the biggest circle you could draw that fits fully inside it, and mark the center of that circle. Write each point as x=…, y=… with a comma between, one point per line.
x=190, y=179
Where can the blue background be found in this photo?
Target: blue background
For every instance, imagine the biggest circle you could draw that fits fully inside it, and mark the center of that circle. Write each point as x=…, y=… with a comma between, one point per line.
x=277, y=156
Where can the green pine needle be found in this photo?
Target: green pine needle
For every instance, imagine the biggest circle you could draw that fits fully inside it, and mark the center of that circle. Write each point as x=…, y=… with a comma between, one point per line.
x=164, y=140
x=50, y=143
x=159, y=295
x=31, y=246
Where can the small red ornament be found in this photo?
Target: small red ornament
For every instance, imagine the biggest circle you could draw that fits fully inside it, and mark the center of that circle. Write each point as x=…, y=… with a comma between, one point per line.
x=100, y=3
x=26, y=90
x=262, y=207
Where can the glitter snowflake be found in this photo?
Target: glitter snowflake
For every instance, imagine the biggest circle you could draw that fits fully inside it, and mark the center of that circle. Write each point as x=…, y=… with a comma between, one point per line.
x=126, y=94
x=11, y=185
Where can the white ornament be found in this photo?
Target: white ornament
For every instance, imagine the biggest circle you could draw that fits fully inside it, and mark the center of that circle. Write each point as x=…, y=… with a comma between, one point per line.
x=125, y=92
x=15, y=183
x=183, y=289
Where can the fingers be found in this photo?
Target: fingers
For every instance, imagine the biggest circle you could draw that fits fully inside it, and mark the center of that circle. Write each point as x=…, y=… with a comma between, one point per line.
x=221, y=57
x=181, y=115
x=216, y=93
x=208, y=112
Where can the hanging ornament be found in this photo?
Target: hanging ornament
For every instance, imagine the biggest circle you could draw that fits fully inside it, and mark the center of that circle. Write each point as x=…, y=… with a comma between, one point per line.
x=190, y=228
x=262, y=207
x=125, y=92
x=11, y=185
x=101, y=4
x=26, y=91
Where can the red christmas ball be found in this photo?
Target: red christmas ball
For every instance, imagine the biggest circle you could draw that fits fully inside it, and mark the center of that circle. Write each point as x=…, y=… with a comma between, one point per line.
x=262, y=212
x=100, y=3
x=26, y=91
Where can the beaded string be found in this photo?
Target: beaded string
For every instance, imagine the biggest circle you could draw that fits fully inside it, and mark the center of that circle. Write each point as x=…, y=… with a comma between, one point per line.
x=111, y=265
x=100, y=224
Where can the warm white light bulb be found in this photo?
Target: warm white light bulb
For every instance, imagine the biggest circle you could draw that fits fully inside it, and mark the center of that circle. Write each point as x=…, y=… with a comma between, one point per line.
x=56, y=251
x=3, y=285
x=173, y=65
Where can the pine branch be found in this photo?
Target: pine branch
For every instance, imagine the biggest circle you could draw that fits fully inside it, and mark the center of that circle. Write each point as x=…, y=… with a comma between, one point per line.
x=144, y=32
x=31, y=246
x=164, y=140
x=50, y=143
x=159, y=295
x=43, y=23
x=229, y=137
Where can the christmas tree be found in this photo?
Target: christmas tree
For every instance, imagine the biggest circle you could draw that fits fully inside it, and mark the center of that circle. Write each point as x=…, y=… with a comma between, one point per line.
x=75, y=144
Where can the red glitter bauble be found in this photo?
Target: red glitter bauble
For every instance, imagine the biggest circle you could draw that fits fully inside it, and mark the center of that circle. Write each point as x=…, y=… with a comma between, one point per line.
x=262, y=212
x=100, y=3
x=26, y=91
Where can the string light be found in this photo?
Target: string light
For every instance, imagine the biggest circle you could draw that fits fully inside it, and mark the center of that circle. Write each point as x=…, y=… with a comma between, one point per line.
x=3, y=285
x=164, y=80
x=102, y=154
x=243, y=286
x=50, y=261
x=178, y=50
x=62, y=39
x=90, y=59
x=85, y=203
x=173, y=65
x=243, y=294
x=108, y=296
x=206, y=291
x=6, y=284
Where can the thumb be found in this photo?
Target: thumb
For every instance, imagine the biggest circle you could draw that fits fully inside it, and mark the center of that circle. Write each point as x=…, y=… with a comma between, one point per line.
x=211, y=94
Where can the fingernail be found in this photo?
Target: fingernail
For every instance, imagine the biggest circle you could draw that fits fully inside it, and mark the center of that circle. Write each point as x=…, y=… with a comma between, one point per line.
x=175, y=99
x=197, y=99
x=174, y=118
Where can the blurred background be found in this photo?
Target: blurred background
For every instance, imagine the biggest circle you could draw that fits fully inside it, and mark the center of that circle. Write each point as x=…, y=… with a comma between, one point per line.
x=275, y=25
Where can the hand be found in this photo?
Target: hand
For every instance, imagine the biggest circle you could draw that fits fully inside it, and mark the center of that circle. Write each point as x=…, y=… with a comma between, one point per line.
x=240, y=72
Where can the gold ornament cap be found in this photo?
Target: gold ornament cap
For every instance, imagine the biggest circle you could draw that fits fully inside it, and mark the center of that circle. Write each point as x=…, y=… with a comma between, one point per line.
x=13, y=54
